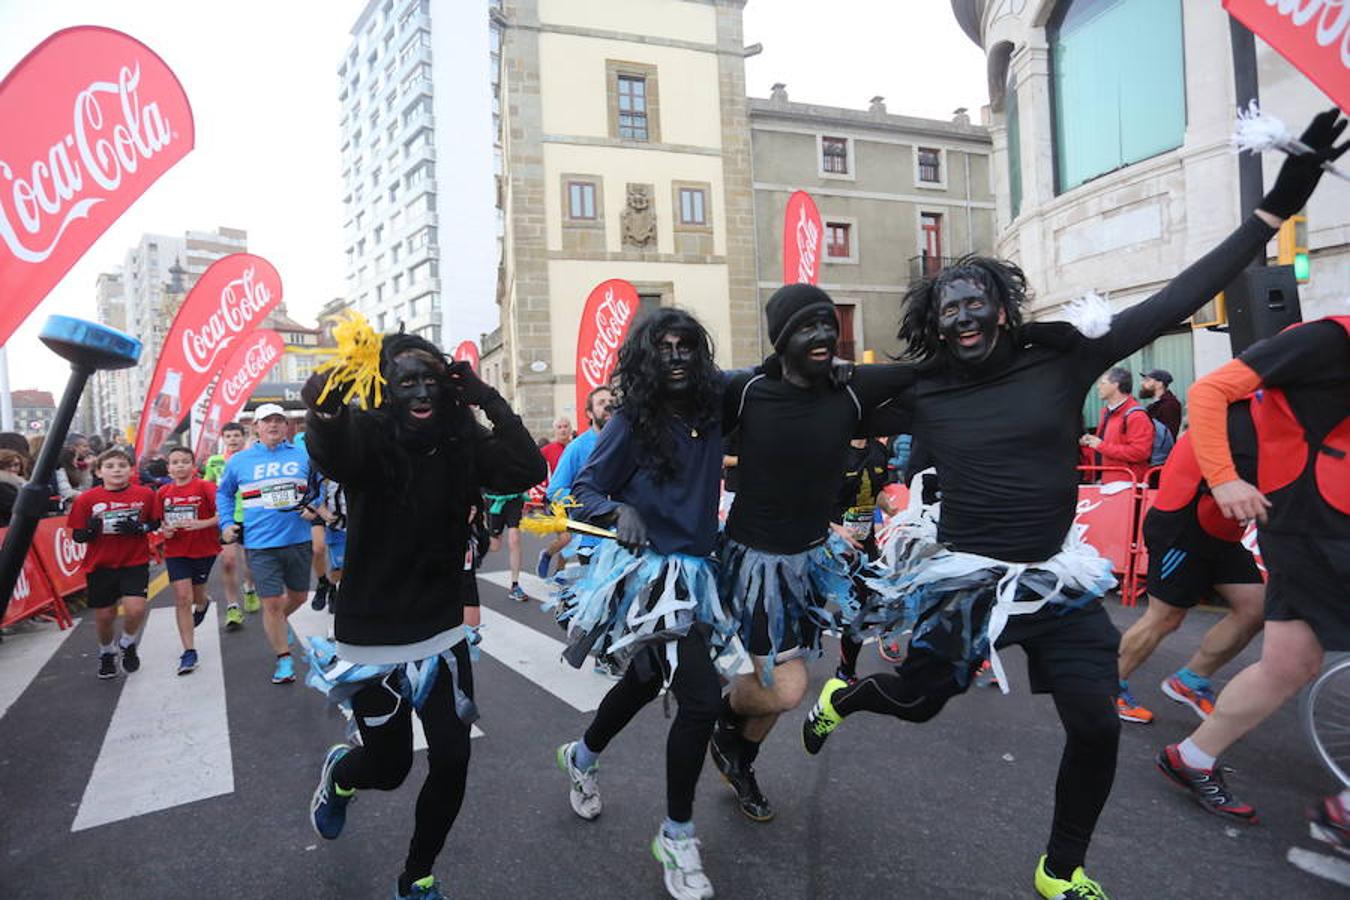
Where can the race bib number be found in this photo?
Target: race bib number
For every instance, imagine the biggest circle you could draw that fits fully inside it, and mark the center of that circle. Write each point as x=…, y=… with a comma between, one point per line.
x=113, y=518
x=280, y=496
x=174, y=516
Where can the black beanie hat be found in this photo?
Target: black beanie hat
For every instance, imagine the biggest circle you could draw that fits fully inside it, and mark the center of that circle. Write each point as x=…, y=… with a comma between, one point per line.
x=791, y=305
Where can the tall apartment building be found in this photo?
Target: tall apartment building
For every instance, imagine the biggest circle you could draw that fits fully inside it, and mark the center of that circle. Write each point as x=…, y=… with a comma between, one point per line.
x=142, y=299
x=627, y=155
x=416, y=138
x=898, y=196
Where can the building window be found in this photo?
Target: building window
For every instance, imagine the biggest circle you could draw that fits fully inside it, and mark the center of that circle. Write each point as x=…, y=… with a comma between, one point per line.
x=930, y=238
x=693, y=206
x=581, y=200
x=633, y=107
x=1118, y=85
x=838, y=240
x=834, y=155
x=930, y=165
x=847, y=347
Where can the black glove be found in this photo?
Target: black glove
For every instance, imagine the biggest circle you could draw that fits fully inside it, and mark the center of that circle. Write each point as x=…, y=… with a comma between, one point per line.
x=313, y=387
x=1300, y=173
x=128, y=527
x=632, y=531
x=469, y=388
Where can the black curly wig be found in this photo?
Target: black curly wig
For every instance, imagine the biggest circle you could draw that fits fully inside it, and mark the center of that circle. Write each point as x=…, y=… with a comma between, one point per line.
x=640, y=384
x=1002, y=280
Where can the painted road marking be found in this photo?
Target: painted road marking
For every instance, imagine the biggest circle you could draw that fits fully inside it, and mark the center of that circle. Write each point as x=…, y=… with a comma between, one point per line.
x=169, y=739
x=22, y=656
x=1328, y=867
x=307, y=622
x=535, y=655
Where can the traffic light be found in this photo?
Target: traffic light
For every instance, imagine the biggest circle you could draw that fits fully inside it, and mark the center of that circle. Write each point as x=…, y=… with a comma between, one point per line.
x=1293, y=247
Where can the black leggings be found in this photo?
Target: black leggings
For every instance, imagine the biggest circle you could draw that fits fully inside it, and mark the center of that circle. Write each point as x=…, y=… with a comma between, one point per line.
x=1087, y=767
x=386, y=755
x=699, y=694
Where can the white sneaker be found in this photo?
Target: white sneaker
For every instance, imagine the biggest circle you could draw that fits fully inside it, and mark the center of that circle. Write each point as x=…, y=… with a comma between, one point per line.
x=681, y=867
x=585, y=794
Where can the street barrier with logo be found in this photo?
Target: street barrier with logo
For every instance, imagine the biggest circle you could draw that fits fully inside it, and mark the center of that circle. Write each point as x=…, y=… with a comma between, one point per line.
x=60, y=555
x=1109, y=511
x=33, y=593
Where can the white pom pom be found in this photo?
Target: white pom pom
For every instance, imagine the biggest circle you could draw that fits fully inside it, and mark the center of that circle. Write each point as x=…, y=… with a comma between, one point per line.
x=1258, y=132
x=1090, y=314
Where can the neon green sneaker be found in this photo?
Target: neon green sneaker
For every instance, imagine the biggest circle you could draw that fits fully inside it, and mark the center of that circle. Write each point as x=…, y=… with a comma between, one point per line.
x=822, y=719
x=1080, y=887
x=251, y=602
x=234, y=618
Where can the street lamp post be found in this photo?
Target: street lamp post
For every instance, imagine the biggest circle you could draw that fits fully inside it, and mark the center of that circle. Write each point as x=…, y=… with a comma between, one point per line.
x=88, y=347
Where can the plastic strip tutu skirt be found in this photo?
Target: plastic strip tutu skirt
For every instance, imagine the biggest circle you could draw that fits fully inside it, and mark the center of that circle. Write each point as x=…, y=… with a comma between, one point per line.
x=339, y=680
x=957, y=604
x=622, y=603
x=801, y=594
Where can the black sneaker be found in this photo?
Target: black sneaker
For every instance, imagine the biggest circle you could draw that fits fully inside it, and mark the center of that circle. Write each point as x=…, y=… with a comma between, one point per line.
x=738, y=774
x=320, y=599
x=107, y=665
x=1205, y=785
x=199, y=615
x=130, y=661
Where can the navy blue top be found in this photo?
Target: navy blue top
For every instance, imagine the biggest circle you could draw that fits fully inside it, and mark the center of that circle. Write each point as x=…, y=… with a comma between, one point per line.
x=681, y=511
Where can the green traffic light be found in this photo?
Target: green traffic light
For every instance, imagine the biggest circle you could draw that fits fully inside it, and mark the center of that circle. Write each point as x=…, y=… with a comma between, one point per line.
x=1302, y=268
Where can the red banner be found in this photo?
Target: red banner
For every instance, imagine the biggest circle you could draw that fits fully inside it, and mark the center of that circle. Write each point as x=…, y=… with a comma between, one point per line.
x=249, y=365
x=609, y=312
x=228, y=302
x=92, y=118
x=32, y=592
x=467, y=351
x=1314, y=35
x=801, y=240
x=60, y=555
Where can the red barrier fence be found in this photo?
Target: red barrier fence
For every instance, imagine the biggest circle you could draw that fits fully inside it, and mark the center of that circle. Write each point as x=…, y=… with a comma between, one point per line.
x=51, y=572
x=1110, y=509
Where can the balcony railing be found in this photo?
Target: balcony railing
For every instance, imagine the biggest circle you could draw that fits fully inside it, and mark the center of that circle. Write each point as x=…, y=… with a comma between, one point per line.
x=925, y=266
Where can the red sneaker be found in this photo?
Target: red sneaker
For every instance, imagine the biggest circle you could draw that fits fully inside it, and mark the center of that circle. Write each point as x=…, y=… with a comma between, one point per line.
x=1206, y=786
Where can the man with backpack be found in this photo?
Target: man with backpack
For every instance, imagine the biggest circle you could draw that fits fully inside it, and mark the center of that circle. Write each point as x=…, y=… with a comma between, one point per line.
x=1127, y=436
x=1156, y=385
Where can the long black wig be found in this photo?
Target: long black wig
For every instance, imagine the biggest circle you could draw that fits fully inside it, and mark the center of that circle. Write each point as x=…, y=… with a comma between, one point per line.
x=1002, y=280
x=640, y=386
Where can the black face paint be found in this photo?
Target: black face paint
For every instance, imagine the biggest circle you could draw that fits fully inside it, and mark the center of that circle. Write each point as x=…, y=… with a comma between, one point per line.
x=676, y=353
x=967, y=321
x=416, y=391
x=809, y=350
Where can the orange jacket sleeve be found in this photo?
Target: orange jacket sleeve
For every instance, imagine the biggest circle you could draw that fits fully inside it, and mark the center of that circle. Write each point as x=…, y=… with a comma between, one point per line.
x=1209, y=399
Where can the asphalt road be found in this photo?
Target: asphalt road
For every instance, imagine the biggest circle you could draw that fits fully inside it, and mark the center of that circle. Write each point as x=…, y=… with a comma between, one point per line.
x=199, y=787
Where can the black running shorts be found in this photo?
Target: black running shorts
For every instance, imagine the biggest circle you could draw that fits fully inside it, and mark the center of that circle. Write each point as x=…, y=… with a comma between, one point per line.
x=107, y=586
x=1183, y=567
x=509, y=517
x=1309, y=581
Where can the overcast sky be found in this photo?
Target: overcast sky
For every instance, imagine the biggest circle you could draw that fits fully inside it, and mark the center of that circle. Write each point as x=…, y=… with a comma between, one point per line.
x=261, y=78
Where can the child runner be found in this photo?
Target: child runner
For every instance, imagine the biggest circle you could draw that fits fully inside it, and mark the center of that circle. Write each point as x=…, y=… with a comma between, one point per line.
x=190, y=546
x=113, y=520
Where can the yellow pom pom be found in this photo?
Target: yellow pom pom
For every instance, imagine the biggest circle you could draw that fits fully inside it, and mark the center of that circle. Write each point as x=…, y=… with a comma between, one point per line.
x=357, y=363
x=556, y=521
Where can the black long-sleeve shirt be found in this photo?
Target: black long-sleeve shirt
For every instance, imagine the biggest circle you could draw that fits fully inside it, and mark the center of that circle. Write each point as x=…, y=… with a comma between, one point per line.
x=408, y=517
x=1005, y=433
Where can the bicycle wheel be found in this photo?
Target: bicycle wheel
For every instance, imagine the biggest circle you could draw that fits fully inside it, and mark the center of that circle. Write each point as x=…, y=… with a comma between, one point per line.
x=1325, y=712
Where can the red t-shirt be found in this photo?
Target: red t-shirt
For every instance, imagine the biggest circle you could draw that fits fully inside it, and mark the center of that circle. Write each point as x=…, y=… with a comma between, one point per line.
x=194, y=500
x=552, y=452
x=109, y=550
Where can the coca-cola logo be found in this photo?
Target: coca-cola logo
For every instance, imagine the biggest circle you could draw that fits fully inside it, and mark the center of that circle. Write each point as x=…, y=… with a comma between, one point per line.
x=241, y=301
x=69, y=554
x=112, y=134
x=1332, y=26
x=258, y=359
x=808, y=243
x=611, y=318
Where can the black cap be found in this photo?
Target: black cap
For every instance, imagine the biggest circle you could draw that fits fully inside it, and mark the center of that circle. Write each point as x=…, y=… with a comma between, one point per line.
x=791, y=305
x=1159, y=375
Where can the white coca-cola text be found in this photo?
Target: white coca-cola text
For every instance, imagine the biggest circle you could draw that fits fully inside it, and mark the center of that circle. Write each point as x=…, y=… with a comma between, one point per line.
x=68, y=553
x=241, y=301
x=808, y=243
x=21, y=587
x=611, y=319
x=257, y=360
x=104, y=144
x=1332, y=26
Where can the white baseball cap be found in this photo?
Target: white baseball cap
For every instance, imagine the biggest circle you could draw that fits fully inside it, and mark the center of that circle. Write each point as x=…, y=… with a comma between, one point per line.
x=268, y=409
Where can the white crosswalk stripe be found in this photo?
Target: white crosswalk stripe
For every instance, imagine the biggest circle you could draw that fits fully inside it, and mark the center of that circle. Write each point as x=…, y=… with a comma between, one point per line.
x=23, y=654
x=169, y=739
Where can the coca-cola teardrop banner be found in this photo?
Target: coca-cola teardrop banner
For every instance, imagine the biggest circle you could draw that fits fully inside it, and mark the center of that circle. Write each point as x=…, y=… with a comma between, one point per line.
x=605, y=320
x=92, y=117
x=1314, y=35
x=241, y=374
x=801, y=240
x=227, y=303
x=467, y=351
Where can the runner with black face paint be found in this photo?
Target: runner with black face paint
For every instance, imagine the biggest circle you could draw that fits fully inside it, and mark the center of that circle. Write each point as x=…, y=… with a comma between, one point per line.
x=778, y=568
x=411, y=470
x=997, y=404
x=647, y=605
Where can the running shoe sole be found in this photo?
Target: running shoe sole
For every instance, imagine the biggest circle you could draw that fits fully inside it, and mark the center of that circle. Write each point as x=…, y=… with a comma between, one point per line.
x=1133, y=717
x=1183, y=699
